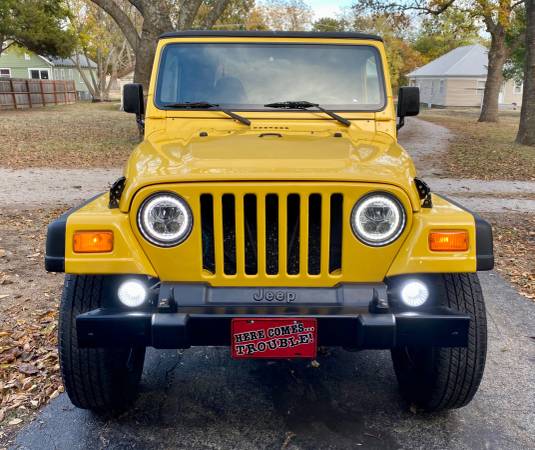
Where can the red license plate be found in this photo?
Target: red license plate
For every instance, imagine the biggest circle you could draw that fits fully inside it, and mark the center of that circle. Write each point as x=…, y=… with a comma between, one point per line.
x=274, y=338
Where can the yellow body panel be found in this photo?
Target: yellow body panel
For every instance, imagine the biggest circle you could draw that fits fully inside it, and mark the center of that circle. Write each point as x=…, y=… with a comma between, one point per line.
x=415, y=256
x=184, y=262
x=193, y=152
x=132, y=254
x=127, y=255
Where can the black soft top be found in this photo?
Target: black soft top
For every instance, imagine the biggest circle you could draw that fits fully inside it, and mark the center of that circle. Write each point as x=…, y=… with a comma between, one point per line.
x=274, y=34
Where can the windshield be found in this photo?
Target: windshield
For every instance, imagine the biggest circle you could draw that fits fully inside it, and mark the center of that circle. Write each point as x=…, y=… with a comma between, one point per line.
x=248, y=76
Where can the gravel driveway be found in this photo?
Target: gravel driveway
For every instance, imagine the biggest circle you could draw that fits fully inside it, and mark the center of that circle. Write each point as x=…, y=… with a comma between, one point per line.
x=201, y=399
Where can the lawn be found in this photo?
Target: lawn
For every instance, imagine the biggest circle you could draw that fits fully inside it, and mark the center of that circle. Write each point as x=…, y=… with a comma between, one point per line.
x=483, y=150
x=75, y=136
x=514, y=247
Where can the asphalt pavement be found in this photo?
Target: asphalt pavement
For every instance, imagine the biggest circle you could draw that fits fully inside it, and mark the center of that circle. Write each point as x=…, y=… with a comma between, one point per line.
x=201, y=399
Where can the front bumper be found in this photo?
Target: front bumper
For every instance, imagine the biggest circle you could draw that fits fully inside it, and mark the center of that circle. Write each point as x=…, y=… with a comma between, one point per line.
x=354, y=316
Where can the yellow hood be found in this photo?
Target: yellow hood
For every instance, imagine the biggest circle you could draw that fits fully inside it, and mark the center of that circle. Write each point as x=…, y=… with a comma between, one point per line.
x=270, y=155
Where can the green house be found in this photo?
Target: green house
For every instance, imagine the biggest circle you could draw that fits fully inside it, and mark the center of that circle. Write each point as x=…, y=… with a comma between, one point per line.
x=16, y=62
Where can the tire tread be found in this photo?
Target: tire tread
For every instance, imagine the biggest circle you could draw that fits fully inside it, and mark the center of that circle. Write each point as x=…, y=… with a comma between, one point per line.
x=94, y=378
x=455, y=372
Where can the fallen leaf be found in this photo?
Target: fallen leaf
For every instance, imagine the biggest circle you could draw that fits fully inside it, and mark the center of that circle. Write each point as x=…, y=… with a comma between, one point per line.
x=14, y=421
x=28, y=369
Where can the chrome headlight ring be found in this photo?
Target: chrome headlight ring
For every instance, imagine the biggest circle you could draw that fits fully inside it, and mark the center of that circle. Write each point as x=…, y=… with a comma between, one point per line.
x=378, y=219
x=165, y=219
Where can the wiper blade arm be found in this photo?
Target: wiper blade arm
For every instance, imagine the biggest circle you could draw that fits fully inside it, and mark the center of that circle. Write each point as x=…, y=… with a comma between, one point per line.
x=212, y=106
x=307, y=105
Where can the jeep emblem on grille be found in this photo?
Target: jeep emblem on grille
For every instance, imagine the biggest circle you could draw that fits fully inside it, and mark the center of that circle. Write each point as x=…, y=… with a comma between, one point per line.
x=274, y=295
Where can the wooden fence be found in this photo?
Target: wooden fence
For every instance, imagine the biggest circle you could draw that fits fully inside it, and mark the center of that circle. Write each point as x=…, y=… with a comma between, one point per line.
x=18, y=93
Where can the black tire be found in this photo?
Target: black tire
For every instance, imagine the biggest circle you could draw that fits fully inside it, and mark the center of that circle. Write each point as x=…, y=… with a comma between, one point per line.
x=102, y=380
x=434, y=378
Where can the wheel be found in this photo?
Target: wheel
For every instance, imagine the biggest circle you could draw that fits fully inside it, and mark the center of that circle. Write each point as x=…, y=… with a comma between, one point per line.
x=104, y=380
x=437, y=378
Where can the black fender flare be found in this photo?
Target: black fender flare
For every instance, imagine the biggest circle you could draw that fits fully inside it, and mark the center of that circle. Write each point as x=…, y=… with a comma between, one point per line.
x=484, y=239
x=55, y=239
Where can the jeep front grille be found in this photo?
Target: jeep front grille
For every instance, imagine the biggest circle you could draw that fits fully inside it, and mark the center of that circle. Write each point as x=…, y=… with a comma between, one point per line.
x=272, y=234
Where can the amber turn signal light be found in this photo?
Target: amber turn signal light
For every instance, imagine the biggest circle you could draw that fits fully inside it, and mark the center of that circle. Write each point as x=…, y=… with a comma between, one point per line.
x=448, y=241
x=93, y=241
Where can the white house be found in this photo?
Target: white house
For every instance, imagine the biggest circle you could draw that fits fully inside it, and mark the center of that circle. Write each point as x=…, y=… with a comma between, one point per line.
x=458, y=79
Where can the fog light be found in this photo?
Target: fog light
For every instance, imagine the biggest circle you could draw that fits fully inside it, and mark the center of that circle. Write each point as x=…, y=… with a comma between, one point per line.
x=414, y=293
x=132, y=293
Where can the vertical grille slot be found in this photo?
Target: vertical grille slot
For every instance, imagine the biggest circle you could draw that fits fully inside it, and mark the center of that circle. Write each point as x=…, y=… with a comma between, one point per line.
x=250, y=234
x=292, y=240
x=207, y=229
x=272, y=234
x=335, y=240
x=277, y=234
x=229, y=233
x=314, y=234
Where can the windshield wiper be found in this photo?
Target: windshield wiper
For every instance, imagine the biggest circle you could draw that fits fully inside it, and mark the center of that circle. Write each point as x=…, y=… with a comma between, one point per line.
x=307, y=105
x=212, y=106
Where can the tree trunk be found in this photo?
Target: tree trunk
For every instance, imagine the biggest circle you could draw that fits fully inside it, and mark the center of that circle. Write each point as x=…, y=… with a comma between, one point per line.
x=156, y=20
x=526, y=130
x=144, y=57
x=497, y=58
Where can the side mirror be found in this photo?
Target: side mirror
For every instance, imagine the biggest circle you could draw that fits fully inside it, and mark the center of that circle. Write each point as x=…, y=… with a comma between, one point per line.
x=408, y=103
x=133, y=101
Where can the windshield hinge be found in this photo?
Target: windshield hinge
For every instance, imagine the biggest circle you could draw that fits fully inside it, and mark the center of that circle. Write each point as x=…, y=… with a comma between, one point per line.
x=116, y=191
x=424, y=192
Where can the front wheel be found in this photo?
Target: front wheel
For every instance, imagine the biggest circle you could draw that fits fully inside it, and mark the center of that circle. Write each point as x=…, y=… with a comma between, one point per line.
x=104, y=380
x=437, y=378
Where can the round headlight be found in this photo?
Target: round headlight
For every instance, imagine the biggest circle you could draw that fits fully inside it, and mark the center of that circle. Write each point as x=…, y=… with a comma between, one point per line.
x=165, y=219
x=378, y=219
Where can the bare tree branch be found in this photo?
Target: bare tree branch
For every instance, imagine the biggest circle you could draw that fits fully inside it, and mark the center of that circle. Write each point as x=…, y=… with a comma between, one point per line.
x=417, y=5
x=122, y=20
x=90, y=86
x=138, y=4
x=215, y=13
x=188, y=10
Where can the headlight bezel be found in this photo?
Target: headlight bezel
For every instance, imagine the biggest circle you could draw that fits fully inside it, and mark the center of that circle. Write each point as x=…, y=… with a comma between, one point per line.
x=399, y=229
x=154, y=240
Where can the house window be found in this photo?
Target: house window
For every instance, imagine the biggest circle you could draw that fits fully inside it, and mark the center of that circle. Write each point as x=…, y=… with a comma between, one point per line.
x=519, y=85
x=62, y=77
x=39, y=74
x=481, y=85
x=70, y=75
x=5, y=73
x=441, y=86
x=26, y=57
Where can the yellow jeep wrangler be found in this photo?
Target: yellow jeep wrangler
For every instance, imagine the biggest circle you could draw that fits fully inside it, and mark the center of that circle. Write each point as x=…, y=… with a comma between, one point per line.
x=269, y=208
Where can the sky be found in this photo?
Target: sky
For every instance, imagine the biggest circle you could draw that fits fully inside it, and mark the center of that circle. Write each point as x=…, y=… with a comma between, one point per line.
x=327, y=8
